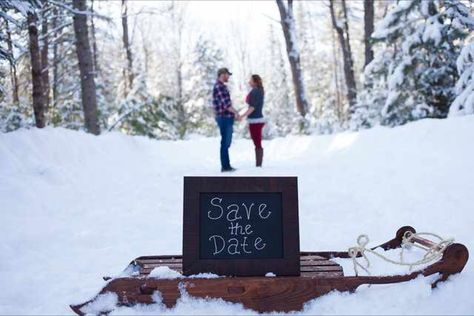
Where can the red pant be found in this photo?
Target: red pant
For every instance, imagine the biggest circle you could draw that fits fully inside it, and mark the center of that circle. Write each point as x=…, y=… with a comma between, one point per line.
x=256, y=134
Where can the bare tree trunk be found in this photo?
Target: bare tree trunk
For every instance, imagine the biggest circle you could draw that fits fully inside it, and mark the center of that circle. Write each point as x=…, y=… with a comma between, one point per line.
x=350, y=61
x=336, y=77
x=44, y=56
x=183, y=126
x=13, y=74
x=146, y=55
x=383, y=6
x=177, y=19
x=84, y=56
x=126, y=44
x=94, y=41
x=55, y=58
x=343, y=34
x=368, y=30
x=35, y=57
x=288, y=26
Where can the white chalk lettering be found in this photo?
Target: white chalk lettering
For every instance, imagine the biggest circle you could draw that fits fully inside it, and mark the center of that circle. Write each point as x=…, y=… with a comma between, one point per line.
x=248, y=210
x=234, y=229
x=233, y=214
x=257, y=242
x=248, y=230
x=214, y=239
x=244, y=245
x=232, y=248
x=261, y=209
x=218, y=212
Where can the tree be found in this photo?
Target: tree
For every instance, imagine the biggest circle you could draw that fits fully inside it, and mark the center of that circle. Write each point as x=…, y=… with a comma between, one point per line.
x=368, y=30
x=281, y=113
x=84, y=56
x=424, y=38
x=464, y=102
x=11, y=60
x=94, y=40
x=206, y=58
x=126, y=45
x=289, y=31
x=36, y=69
x=341, y=25
x=172, y=64
x=21, y=7
x=367, y=112
x=15, y=113
x=66, y=108
x=414, y=74
x=44, y=52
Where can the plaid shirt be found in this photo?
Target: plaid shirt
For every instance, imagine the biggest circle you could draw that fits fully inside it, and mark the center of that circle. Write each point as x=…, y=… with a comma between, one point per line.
x=221, y=100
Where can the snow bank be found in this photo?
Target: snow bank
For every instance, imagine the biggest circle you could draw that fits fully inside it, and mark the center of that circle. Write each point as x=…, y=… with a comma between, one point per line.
x=76, y=207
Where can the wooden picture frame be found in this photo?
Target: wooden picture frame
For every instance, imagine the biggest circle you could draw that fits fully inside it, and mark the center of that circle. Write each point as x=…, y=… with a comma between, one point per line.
x=285, y=264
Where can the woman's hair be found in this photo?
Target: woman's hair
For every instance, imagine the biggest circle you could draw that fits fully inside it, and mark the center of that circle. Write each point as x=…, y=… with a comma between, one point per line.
x=258, y=82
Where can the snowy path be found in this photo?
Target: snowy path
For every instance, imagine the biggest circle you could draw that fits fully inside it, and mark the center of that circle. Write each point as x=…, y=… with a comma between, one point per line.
x=75, y=207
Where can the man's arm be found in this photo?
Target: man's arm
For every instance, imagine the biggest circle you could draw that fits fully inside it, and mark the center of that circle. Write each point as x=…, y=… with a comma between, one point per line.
x=225, y=101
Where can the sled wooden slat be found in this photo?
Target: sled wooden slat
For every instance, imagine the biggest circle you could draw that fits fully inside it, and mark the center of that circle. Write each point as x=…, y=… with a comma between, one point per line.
x=157, y=259
x=305, y=257
x=320, y=268
x=175, y=262
x=325, y=274
x=320, y=265
x=172, y=266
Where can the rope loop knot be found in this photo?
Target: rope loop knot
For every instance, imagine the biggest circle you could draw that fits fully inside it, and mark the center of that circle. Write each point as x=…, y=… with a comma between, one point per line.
x=433, y=252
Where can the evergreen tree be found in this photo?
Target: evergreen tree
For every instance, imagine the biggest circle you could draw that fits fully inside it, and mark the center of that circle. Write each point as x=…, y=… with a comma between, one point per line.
x=464, y=102
x=372, y=98
x=417, y=65
x=202, y=74
x=140, y=113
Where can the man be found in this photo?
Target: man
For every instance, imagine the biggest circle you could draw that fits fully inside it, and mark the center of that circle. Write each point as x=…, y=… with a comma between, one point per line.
x=225, y=115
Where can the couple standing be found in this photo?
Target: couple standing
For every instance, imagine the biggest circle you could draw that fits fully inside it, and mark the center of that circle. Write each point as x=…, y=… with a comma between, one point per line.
x=226, y=114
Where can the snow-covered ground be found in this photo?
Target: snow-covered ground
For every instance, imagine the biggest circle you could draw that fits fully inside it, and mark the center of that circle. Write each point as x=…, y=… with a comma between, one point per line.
x=75, y=207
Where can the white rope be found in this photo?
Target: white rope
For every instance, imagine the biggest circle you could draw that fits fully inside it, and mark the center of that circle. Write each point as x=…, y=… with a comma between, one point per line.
x=433, y=253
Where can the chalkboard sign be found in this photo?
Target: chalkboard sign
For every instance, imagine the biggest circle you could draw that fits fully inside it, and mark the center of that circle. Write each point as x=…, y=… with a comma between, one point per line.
x=241, y=226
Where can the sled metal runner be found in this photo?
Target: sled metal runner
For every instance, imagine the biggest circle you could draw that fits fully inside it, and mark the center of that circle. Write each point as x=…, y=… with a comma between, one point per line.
x=319, y=275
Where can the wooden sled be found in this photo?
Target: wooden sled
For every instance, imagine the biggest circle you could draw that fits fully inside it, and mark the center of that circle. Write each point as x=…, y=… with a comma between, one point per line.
x=319, y=275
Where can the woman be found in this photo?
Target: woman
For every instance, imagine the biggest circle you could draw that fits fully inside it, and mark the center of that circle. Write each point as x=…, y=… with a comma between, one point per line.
x=254, y=115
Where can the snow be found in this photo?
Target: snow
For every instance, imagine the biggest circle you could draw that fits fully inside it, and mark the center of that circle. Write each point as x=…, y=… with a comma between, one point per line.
x=104, y=302
x=164, y=273
x=76, y=207
x=464, y=102
x=433, y=30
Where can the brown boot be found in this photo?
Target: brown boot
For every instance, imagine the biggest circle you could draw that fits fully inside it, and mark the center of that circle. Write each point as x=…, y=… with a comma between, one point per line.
x=259, y=156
